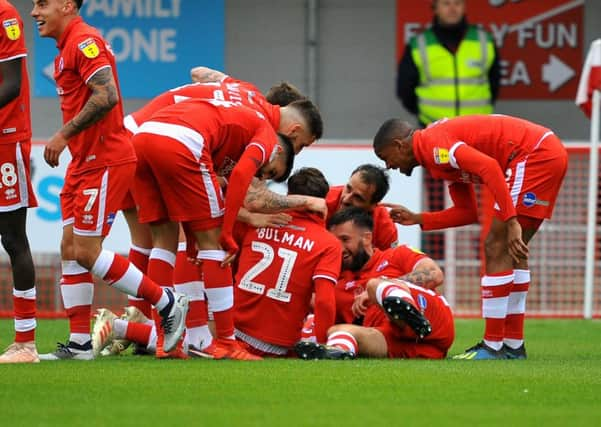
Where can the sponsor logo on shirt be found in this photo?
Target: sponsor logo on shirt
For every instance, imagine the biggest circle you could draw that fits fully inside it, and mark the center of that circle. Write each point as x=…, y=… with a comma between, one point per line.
x=530, y=200
x=349, y=285
x=11, y=27
x=441, y=156
x=382, y=265
x=10, y=193
x=89, y=48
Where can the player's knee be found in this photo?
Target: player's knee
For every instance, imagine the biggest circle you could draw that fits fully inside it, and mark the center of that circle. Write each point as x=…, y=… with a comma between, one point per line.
x=85, y=255
x=495, y=246
x=15, y=243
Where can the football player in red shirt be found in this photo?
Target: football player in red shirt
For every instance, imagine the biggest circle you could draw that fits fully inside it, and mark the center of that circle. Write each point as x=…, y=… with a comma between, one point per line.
x=102, y=166
x=279, y=270
x=382, y=310
x=523, y=165
x=179, y=150
x=15, y=181
x=301, y=121
x=365, y=189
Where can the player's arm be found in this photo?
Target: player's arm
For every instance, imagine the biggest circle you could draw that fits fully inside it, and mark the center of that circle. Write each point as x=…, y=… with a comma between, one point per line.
x=240, y=179
x=10, y=87
x=464, y=210
x=325, y=308
x=257, y=220
x=104, y=96
x=260, y=199
x=206, y=75
x=426, y=273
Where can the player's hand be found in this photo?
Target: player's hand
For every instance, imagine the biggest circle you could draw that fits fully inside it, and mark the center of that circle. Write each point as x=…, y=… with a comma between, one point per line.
x=316, y=205
x=54, y=148
x=229, y=245
x=401, y=215
x=360, y=304
x=258, y=220
x=517, y=248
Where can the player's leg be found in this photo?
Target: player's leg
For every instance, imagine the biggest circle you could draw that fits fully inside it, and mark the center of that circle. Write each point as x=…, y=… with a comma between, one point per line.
x=105, y=189
x=219, y=289
x=345, y=341
x=76, y=286
x=16, y=244
x=513, y=342
x=17, y=197
x=141, y=245
x=187, y=279
x=495, y=287
x=397, y=302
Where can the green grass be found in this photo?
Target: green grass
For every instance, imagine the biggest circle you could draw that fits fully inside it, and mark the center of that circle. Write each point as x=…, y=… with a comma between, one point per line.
x=559, y=385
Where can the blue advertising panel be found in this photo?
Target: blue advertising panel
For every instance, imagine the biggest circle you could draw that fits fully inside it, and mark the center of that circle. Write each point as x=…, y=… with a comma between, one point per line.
x=155, y=42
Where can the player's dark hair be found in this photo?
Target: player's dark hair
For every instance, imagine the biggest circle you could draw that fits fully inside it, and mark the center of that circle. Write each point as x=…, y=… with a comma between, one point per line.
x=390, y=129
x=359, y=217
x=289, y=153
x=376, y=176
x=283, y=94
x=311, y=115
x=78, y=3
x=308, y=182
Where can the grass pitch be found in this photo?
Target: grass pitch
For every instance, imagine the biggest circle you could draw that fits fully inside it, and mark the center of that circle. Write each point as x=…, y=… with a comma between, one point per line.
x=559, y=385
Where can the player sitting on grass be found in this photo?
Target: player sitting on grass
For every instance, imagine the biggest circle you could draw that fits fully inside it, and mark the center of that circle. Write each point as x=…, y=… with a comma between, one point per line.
x=397, y=318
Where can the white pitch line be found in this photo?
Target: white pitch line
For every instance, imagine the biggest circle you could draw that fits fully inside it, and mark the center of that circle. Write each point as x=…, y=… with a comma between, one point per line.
x=548, y=14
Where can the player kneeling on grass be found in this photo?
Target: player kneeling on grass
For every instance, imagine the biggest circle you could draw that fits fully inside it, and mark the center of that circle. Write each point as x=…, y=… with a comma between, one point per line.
x=383, y=317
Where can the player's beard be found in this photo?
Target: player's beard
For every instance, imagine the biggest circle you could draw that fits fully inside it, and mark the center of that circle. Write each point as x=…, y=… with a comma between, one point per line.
x=359, y=259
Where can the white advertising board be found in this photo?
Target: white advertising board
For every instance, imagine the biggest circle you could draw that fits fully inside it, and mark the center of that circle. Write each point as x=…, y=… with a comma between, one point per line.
x=336, y=161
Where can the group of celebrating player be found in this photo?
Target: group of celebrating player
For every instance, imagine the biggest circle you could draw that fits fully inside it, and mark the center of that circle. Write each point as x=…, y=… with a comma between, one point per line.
x=316, y=273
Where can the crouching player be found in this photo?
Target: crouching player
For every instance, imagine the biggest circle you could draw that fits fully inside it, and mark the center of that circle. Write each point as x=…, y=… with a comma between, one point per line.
x=384, y=300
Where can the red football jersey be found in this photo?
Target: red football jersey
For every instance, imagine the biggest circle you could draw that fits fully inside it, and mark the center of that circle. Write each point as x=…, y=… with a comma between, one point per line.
x=227, y=130
x=495, y=140
x=394, y=262
x=15, y=118
x=276, y=274
x=82, y=53
x=385, y=234
x=229, y=89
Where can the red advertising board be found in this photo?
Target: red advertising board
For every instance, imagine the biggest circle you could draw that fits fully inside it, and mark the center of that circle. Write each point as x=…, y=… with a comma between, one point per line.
x=540, y=42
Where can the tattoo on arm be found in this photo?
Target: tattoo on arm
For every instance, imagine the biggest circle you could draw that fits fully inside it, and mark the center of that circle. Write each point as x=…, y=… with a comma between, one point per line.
x=425, y=277
x=104, y=97
x=206, y=75
x=260, y=199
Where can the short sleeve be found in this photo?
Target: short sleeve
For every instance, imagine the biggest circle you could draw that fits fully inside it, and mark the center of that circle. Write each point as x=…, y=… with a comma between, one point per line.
x=91, y=56
x=12, y=38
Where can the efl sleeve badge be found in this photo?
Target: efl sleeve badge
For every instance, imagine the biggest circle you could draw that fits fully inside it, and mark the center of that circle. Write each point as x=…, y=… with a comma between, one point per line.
x=11, y=26
x=89, y=48
x=441, y=156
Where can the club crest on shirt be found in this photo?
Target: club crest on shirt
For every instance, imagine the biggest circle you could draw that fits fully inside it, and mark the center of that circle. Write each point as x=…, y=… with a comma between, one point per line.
x=441, y=156
x=382, y=265
x=89, y=48
x=11, y=27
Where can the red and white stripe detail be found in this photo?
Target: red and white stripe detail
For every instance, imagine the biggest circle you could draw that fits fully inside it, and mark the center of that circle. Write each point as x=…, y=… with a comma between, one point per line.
x=495, y=295
x=21, y=181
x=386, y=289
x=519, y=291
x=77, y=288
x=220, y=299
x=343, y=340
x=193, y=140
